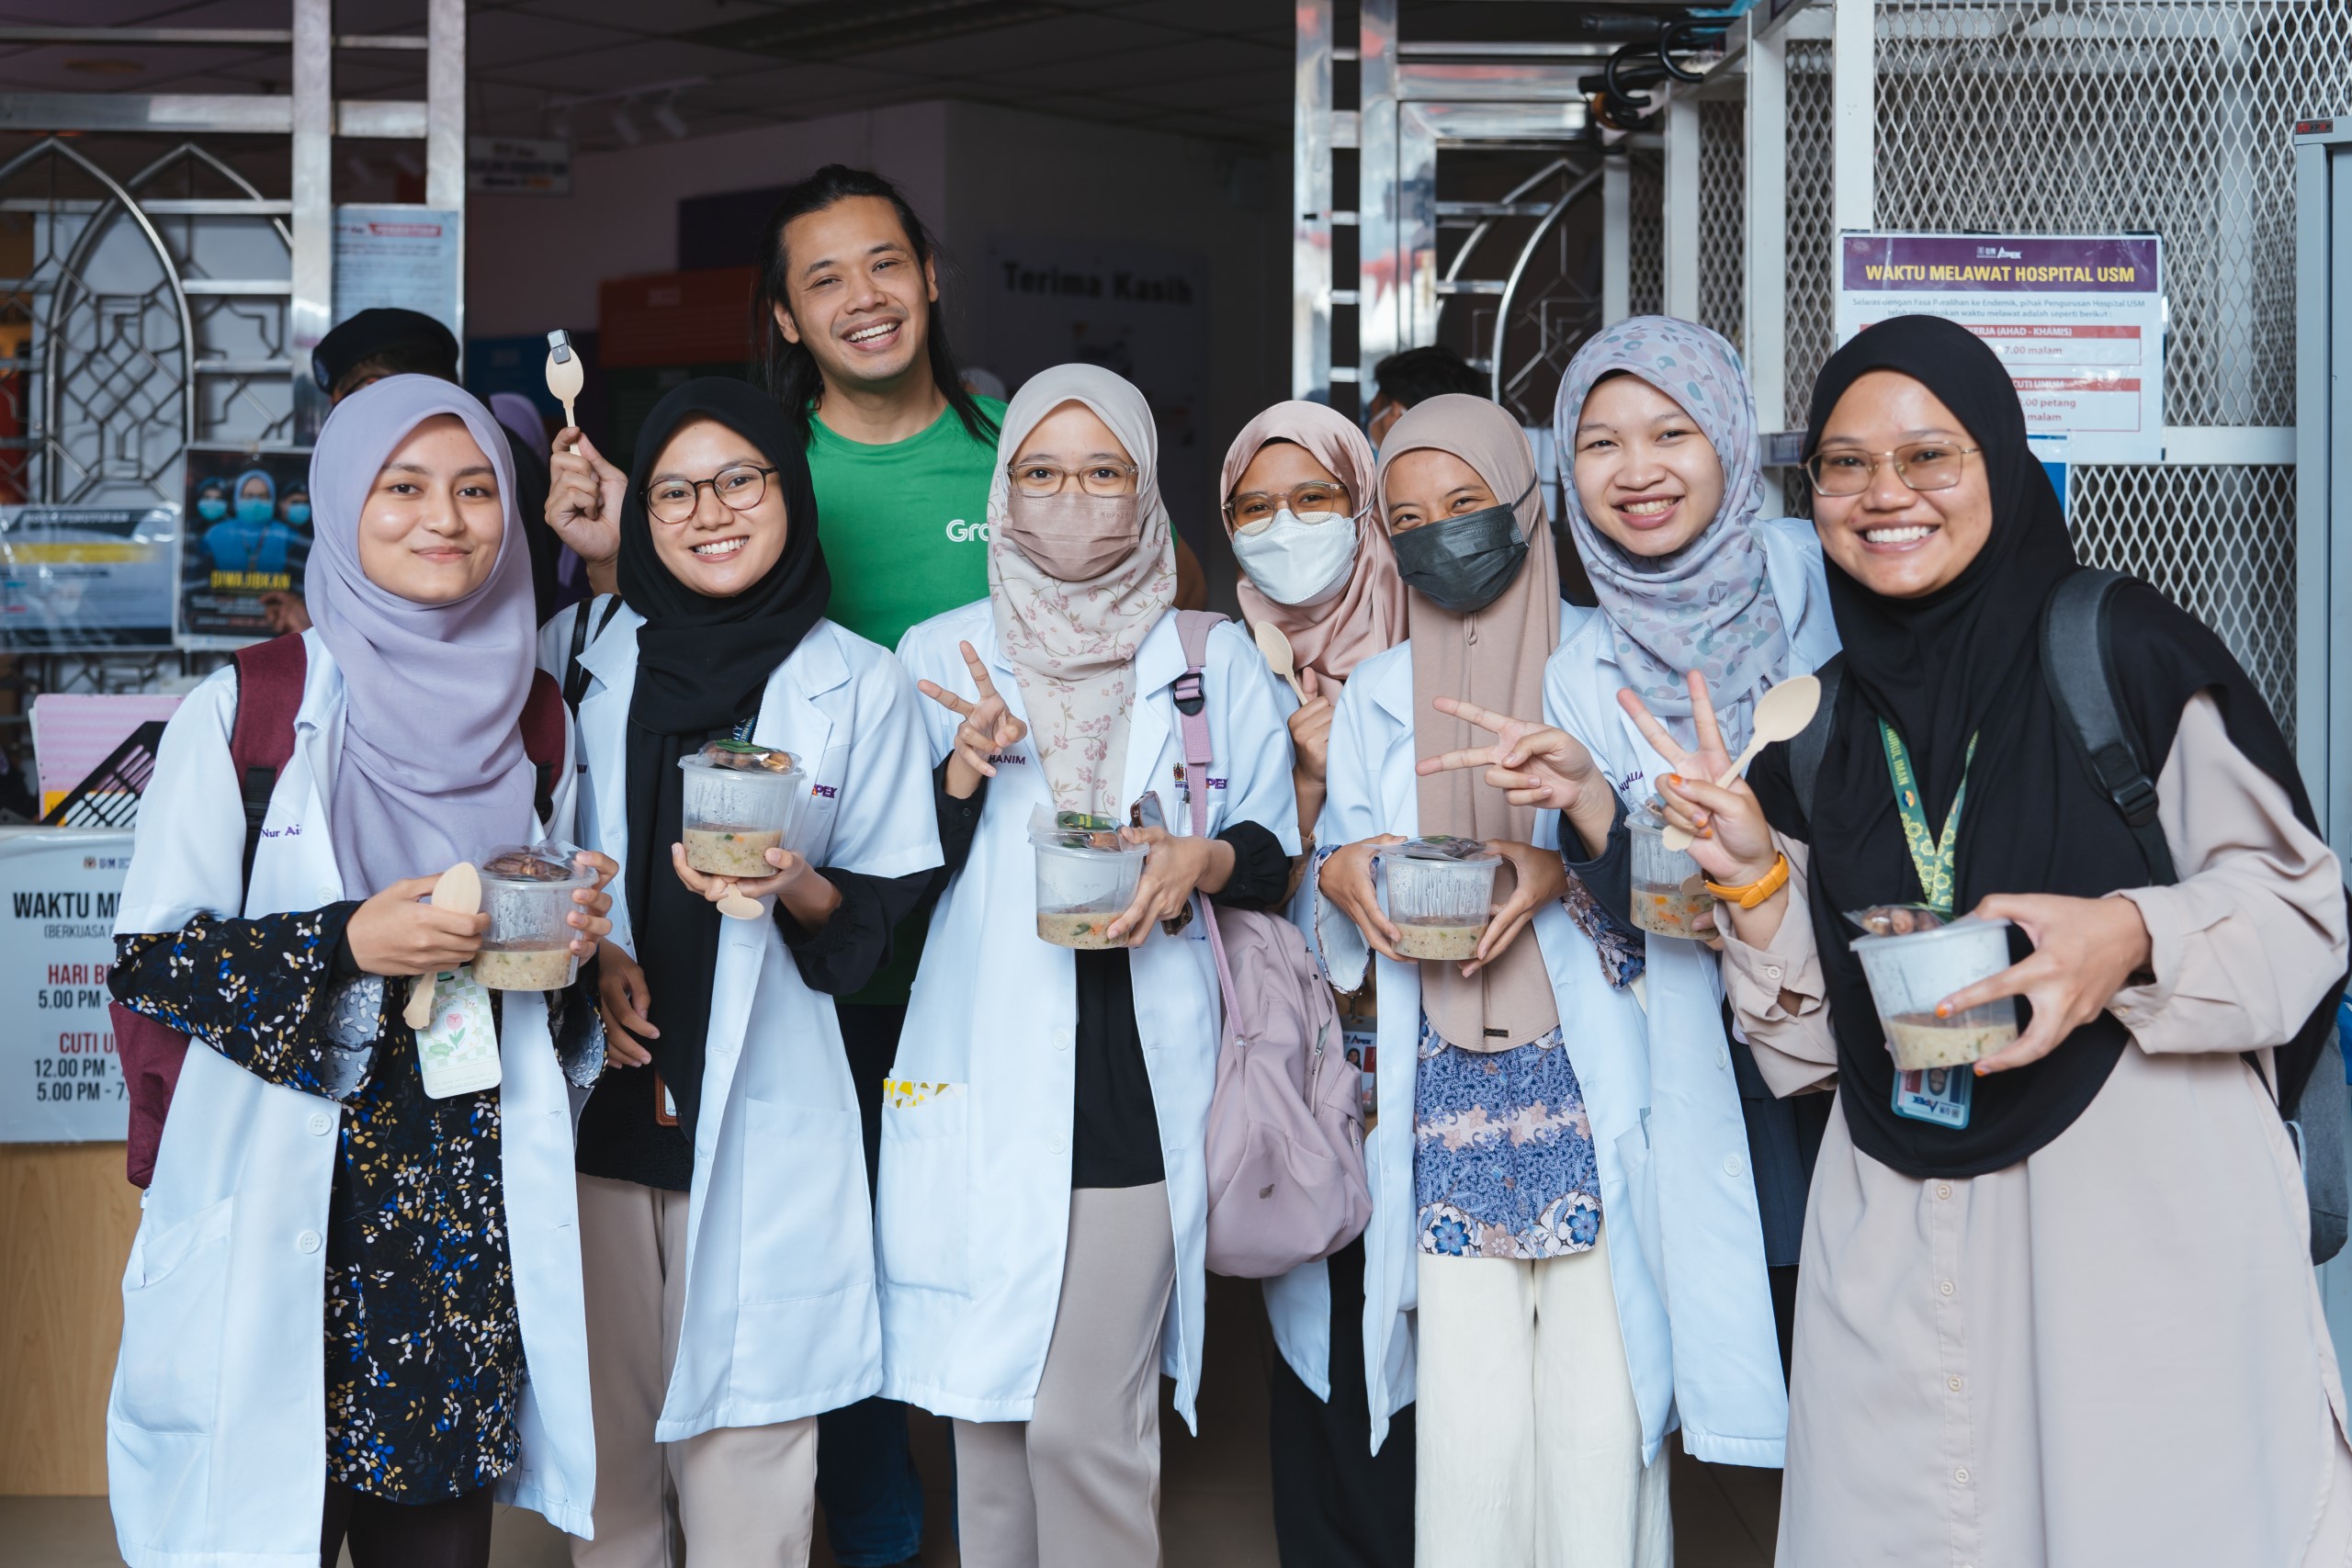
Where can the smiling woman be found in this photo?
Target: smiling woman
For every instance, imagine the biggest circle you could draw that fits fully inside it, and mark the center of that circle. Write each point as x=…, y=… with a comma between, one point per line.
x=431, y=527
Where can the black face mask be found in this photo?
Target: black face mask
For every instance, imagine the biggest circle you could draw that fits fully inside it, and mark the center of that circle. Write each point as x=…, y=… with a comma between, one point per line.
x=1463, y=563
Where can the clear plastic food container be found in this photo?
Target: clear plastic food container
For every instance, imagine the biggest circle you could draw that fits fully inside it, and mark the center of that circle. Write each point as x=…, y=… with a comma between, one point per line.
x=1439, y=892
x=527, y=892
x=1086, y=878
x=1670, y=890
x=1909, y=975
x=741, y=801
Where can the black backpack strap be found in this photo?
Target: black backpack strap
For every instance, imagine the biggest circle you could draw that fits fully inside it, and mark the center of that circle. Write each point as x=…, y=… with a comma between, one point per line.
x=2078, y=668
x=1805, y=750
x=575, y=679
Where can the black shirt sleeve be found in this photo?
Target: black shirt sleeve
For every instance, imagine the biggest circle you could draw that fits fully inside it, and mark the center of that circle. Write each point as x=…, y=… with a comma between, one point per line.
x=1260, y=869
x=959, y=820
x=1607, y=876
x=842, y=955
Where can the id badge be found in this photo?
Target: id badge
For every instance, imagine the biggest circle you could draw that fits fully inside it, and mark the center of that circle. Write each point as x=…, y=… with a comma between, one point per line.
x=1940, y=1095
x=665, y=1104
x=457, y=1052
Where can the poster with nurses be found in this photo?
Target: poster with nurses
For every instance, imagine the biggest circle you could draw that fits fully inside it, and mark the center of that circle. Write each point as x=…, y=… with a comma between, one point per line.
x=245, y=539
x=60, y=1081
x=2078, y=319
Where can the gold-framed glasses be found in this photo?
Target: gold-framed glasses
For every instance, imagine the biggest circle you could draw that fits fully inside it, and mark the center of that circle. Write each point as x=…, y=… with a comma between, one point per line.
x=1921, y=465
x=1251, y=511
x=1037, y=478
x=739, y=487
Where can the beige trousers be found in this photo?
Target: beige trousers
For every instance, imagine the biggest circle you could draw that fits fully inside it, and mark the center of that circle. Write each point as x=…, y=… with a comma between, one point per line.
x=1530, y=1452
x=1077, y=1486
x=741, y=1496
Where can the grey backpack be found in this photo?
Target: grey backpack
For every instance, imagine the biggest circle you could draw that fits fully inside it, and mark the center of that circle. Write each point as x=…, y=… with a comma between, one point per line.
x=1284, y=1150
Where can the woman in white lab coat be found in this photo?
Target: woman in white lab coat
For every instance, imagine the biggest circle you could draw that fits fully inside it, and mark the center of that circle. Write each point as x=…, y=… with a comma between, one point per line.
x=1297, y=498
x=726, y=1232
x=1042, y=1196
x=1544, y=1371
x=352, y=1308
x=1665, y=509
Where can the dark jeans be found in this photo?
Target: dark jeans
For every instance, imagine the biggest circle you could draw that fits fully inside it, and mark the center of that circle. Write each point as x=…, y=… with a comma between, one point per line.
x=1336, y=1504
x=453, y=1534
x=865, y=1474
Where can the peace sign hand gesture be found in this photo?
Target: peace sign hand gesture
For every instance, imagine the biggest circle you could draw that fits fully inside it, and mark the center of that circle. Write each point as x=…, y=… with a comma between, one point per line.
x=1535, y=764
x=988, y=728
x=1735, y=844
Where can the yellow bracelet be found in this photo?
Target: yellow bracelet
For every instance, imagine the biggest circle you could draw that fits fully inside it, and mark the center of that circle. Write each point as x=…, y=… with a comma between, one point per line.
x=1747, y=895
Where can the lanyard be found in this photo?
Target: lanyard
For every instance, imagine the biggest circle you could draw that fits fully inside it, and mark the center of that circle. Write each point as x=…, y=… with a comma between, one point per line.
x=1931, y=858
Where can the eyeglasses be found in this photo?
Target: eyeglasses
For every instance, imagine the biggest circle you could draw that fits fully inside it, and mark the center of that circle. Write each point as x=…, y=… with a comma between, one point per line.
x=673, y=500
x=1923, y=465
x=1038, y=478
x=1250, y=512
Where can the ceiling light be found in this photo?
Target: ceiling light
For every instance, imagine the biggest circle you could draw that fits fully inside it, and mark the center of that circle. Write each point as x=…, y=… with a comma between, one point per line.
x=665, y=115
x=626, y=128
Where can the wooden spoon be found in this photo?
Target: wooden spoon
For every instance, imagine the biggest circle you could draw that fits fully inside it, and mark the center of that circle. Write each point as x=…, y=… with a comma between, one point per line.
x=1276, y=647
x=460, y=890
x=736, y=907
x=564, y=375
x=1780, y=715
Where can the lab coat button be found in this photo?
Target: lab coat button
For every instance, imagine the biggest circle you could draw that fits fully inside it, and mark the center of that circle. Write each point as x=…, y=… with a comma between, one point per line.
x=1731, y=1165
x=321, y=1122
x=1054, y=1145
x=1947, y=1286
x=327, y=891
x=1771, y=971
x=307, y=1242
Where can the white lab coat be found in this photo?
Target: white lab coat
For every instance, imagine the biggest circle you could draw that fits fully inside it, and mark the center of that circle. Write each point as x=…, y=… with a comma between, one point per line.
x=216, y=1427
x=1707, y=1244
x=976, y=1163
x=779, y=1318
x=1373, y=791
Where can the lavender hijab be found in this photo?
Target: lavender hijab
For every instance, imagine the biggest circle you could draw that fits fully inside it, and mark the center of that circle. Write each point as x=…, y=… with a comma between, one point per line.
x=1707, y=606
x=432, y=770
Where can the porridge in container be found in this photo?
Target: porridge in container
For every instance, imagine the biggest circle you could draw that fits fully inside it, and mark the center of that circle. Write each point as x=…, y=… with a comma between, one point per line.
x=1670, y=890
x=1439, y=892
x=1086, y=877
x=1909, y=974
x=741, y=801
x=526, y=891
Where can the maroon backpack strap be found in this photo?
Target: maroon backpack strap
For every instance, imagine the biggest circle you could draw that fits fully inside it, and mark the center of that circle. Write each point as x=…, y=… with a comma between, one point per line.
x=543, y=739
x=261, y=740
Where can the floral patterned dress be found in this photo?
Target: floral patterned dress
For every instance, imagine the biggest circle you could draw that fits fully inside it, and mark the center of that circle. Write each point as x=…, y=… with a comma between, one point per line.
x=423, y=1353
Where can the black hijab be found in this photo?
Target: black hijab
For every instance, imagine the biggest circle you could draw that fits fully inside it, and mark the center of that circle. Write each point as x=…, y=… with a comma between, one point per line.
x=702, y=666
x=1963, y=662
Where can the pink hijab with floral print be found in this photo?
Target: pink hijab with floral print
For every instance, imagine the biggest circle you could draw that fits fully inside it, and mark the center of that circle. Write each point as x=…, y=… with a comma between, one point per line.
x=1072, y=645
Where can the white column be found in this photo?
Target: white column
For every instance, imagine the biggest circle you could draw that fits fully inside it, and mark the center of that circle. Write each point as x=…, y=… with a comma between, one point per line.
x=445, y=129
x=1854, y=125
x=1616, y=240
x=1765, y=290
x=312, y=300
x=1682, y=200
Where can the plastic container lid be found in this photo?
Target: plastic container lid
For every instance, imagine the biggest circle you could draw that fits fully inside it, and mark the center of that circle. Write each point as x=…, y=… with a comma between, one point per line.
x=1079, y=833
x=1444, y=847
x=549, y=864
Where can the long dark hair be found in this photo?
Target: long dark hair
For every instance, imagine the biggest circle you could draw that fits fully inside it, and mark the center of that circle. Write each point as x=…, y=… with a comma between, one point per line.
x=787, y=367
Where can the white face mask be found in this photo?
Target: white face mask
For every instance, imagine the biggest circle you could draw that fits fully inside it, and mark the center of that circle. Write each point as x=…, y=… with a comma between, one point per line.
x=1299, y=559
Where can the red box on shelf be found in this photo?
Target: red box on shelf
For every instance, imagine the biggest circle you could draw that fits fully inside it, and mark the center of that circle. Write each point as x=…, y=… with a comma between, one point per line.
x=675, y=318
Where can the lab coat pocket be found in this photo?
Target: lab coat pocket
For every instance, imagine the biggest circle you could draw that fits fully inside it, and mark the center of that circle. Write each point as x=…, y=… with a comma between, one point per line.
x=926, y=1186
x=806, y=1237
x=812, y=835
x=174, y=1304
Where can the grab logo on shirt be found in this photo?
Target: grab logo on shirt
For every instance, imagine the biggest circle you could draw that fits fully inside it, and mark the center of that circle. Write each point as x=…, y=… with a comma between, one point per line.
x=962, y=532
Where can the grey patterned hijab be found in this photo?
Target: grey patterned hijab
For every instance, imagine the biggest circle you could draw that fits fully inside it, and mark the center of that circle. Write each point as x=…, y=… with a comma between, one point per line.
x=1707, y=606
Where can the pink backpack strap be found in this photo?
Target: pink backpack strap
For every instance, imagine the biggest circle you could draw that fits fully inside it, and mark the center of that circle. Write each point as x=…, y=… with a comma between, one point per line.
x=1191, y=691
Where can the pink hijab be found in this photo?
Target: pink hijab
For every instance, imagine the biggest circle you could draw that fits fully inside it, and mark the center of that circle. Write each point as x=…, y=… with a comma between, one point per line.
x=1367, y=617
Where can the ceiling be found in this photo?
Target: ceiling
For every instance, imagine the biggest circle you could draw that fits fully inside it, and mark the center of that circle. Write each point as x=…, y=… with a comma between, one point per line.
x=605, y=71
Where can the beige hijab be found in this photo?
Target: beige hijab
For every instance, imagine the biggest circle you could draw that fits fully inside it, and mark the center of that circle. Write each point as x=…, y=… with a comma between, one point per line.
x=1072, y=645
x=1494, y=657
x=1367, y=616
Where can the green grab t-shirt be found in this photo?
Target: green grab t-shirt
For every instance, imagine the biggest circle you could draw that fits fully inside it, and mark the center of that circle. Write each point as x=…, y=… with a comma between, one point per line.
x=905, y=529
x=904, y=524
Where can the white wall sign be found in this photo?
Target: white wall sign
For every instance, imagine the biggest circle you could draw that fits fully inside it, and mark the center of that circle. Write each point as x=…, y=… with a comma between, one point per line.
x=517, y=165
x=2078, y=319
x=60, y=1081
x=405, y=256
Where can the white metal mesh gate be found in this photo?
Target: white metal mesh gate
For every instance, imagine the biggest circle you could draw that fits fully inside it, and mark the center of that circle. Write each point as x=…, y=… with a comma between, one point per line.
x=2062, y=115
x=1722, y=216
x=1646, y=239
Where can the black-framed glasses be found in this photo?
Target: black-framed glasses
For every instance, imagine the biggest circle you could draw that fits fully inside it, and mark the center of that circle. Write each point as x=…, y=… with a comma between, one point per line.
x=1250, y=512
x=1922, y=465
x=738, y=488
x=1037, y=478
